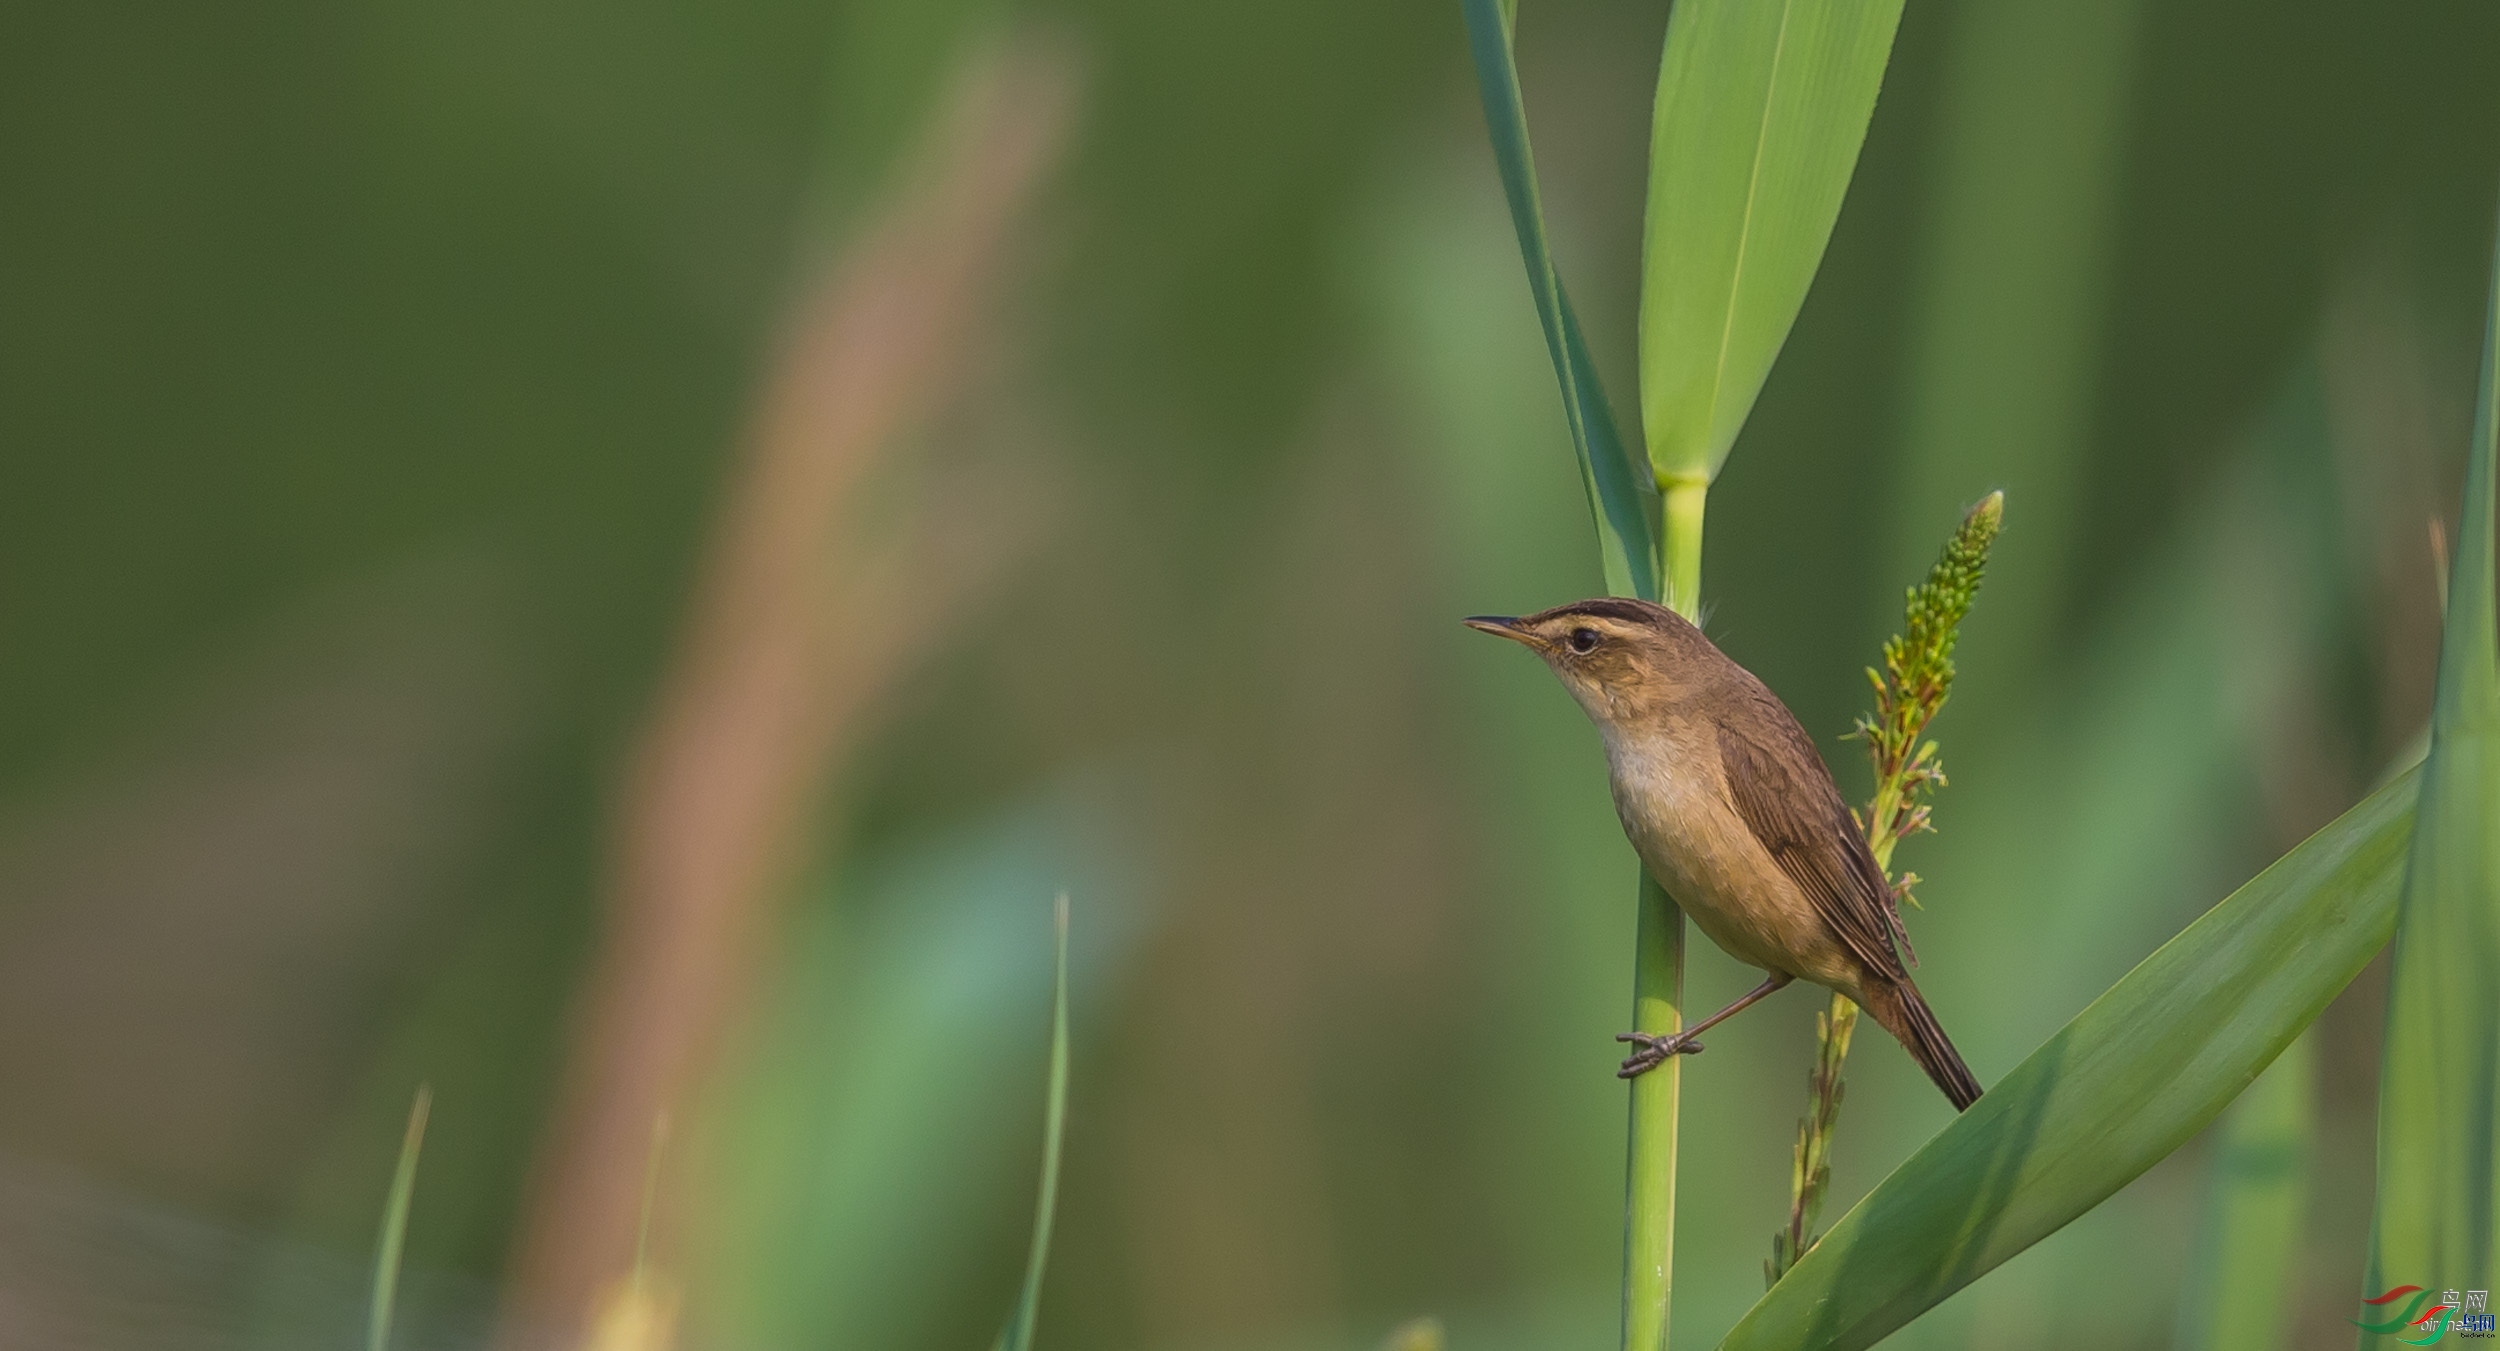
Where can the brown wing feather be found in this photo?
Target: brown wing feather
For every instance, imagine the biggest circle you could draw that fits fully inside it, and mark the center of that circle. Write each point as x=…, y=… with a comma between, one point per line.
x=1786, y=797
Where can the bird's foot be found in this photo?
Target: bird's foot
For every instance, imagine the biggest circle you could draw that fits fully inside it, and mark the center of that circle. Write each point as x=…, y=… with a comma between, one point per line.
x=1654, y=1050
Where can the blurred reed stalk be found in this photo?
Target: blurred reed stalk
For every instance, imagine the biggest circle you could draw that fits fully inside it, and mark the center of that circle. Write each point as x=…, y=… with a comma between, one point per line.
x=1909, y=692
x=2242, y=1287
x=787, y=641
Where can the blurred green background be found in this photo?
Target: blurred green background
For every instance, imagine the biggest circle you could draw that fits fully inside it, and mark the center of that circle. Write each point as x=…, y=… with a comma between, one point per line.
x=373, y=378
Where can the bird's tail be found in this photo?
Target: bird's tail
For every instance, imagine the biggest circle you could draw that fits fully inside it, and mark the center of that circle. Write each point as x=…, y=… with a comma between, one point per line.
x=1906, y=1016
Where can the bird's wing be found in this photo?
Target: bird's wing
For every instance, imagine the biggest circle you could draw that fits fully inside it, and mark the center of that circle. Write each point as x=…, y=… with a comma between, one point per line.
x=1787, y=799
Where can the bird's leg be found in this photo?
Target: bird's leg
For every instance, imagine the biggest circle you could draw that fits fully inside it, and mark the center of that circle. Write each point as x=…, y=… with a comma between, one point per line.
x=1656, y=1047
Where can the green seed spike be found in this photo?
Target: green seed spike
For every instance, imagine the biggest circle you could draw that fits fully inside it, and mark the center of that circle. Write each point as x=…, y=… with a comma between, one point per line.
x=1909, y=692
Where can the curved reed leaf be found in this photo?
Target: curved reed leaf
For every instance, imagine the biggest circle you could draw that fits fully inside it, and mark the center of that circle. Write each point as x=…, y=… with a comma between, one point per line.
x=1762, y=106
x=2130, y=1079
x=2438, y=1220
x=1624, y=505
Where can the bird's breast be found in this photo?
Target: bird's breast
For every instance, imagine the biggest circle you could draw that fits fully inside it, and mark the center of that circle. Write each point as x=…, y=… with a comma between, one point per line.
x=1672, y=802
x=1672, y=797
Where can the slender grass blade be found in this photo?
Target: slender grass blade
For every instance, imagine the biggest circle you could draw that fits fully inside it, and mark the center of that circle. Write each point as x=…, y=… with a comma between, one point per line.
x=1018, y=1334
x=1762, y=107
x=2130, y=1079
x=1623, y=503
x=2438, y=1219
x=394, y=1237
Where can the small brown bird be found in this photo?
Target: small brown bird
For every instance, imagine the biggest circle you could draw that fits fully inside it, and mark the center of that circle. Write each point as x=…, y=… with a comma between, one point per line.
x=1736, y=815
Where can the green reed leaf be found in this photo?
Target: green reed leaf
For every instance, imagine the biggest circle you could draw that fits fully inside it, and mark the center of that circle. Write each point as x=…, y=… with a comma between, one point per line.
x=2130, y=1079
x=2438, y=1219
x=1623, y=503
x=1762, y=106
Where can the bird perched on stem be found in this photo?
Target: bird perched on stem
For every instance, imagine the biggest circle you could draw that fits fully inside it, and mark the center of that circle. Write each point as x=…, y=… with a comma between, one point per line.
x=1732, y=810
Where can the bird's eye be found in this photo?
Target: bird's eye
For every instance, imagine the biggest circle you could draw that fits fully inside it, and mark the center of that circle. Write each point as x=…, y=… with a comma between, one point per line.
x=1583, y=641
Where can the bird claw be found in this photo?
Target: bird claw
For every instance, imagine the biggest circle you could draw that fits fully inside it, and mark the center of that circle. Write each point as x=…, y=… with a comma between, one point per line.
x=1655, y=1048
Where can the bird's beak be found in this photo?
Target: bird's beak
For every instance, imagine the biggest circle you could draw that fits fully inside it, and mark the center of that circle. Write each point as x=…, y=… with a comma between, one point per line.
x=1501, y=626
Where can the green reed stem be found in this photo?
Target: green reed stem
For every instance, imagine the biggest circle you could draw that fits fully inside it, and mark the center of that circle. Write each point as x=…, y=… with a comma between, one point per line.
x=1679, y=548
x=1649, y=1181
x=1658, y=1006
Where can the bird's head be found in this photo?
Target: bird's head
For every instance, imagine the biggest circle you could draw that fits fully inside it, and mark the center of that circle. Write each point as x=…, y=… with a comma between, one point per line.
x=1620, y=658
